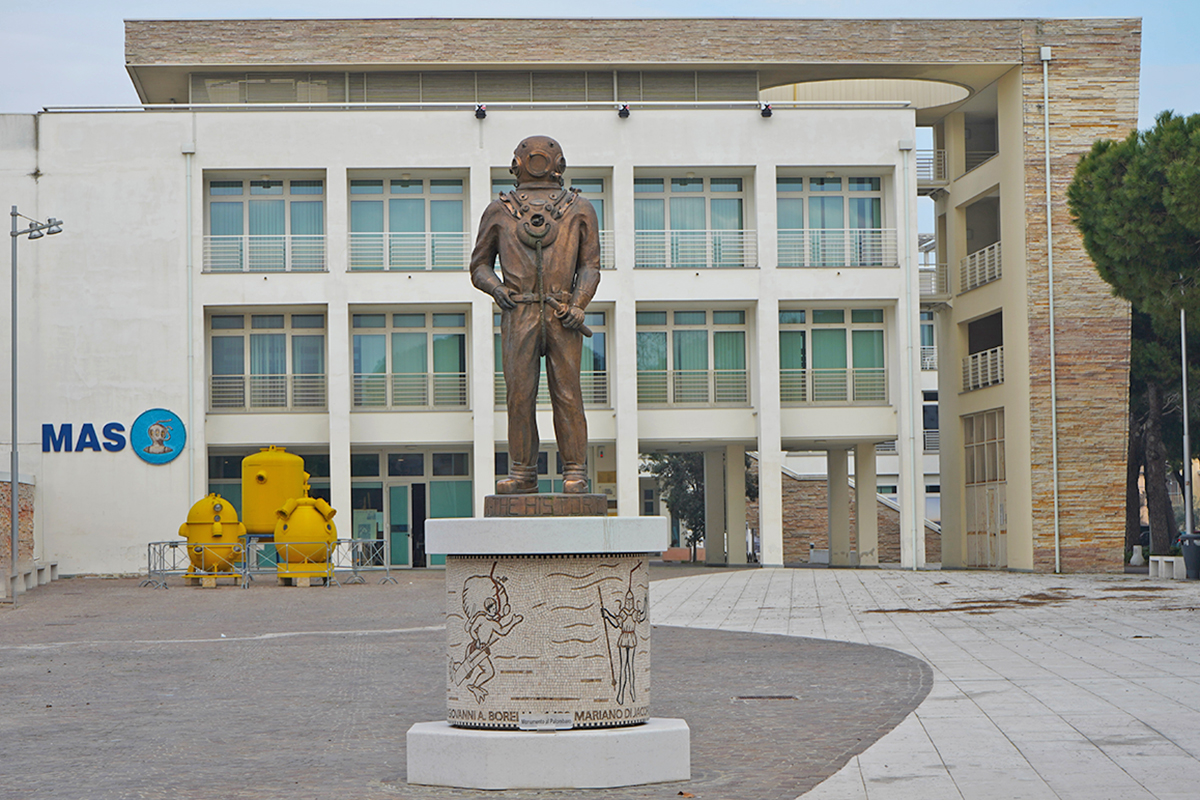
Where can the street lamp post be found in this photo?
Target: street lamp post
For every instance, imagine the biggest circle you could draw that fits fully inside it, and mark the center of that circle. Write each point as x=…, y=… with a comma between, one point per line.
x=34, y=230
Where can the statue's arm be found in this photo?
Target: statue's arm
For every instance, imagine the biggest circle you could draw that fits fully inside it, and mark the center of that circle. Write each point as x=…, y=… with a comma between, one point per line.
x=587, y=269
x=483, y=257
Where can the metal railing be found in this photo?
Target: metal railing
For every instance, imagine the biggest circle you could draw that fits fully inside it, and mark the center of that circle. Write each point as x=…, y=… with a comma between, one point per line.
x=931, y=165
x=838, y=247
x=409, y=251
x=266, y=392
x=929, y=356
x=933, y=440
x=975, y=158
x=249, y=253
x=982, y=369
x=693, y=387
x=982, y=266
x=861, y=385
x=608, y=258
x=411, y=390
x=594, y=386
x=253, y=556
x=716, y=249
x=934, y=279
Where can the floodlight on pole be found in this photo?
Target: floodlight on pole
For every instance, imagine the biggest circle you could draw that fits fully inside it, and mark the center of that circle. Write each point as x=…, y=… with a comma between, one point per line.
x=34, y=230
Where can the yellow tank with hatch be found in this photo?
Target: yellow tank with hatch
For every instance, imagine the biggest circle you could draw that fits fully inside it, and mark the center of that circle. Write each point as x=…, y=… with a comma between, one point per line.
x=304, y=532
x=270, y=478
x=212, y=531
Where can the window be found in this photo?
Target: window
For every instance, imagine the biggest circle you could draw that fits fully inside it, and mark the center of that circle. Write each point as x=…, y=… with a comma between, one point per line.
x=393, y=355
x=691, y=223
x=285, y=354
x=593, y=368
x=407, y=223
x=267, y=225
x=984, y=364
x=833, y=221
x=928, y=343
x=832, y=355
x=675, y=350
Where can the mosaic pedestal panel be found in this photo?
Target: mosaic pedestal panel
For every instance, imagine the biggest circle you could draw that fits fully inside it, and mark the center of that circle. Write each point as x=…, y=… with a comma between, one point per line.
x=548, y=641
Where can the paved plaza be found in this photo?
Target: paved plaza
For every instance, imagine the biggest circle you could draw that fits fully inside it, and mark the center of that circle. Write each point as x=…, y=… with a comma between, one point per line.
x=823, y=683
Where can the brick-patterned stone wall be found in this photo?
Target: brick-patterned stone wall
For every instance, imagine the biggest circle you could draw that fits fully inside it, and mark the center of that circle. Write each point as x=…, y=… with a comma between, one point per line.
x=1093, y=95
x=806, y=521
x=569, y=41
x=25, y=493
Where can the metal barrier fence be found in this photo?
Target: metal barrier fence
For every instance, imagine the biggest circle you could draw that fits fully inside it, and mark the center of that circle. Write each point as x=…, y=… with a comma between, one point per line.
x=254, y=557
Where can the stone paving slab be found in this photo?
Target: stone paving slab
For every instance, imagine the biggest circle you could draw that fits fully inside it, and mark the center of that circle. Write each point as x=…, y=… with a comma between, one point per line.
x=1045, y=686
x=108, y=690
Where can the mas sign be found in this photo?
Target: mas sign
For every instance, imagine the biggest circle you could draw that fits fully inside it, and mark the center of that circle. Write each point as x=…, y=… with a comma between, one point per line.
x=157, y=436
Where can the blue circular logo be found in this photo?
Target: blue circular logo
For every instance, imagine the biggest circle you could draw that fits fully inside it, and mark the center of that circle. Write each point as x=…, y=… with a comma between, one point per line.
x=158, y=436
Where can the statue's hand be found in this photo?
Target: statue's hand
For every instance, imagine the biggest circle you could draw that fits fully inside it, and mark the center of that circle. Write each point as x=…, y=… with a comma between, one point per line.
x=503, y=297
x=571, y=316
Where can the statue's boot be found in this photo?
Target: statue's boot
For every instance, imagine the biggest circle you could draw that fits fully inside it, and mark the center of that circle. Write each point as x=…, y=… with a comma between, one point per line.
x=574, y=479
x=521, y=480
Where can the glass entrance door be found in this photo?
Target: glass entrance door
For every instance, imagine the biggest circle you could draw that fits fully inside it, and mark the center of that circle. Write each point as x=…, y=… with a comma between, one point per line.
x=398, y=527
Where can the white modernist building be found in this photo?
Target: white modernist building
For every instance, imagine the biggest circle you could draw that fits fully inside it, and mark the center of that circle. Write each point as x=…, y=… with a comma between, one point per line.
x=272, y=250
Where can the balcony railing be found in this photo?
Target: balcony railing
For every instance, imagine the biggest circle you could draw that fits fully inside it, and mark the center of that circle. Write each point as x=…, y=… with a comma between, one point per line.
x=929, y=356
x=409, y=251
x=838, y=247
x=608, y=258
x=982, y=369
x=982, y=266
x=693, y=387
x=862, y=385
x=934, y=279
x=266, y=392
x=594, y=386
x=933, y=440
x=975, y=158
x=709, y=249
x=410, y=390
x=931, y=165
x=264, y=254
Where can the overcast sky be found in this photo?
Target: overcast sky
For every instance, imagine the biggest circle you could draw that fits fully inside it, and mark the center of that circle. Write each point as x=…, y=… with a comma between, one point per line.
x=71, y=52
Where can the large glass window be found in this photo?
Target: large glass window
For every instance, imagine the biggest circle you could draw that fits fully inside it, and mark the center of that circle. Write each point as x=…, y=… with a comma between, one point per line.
x=286, y=357
x=832, y=355
x=407, y=223
x=411, y=359
x=691, y=223
x=692, y=357
x=266, y=225
x=832, y=221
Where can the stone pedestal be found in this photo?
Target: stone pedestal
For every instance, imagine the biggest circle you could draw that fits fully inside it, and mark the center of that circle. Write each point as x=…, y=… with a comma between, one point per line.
x=547, y=630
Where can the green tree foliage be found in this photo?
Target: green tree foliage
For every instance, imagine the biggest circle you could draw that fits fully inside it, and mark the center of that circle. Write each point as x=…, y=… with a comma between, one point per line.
x=1137, y=204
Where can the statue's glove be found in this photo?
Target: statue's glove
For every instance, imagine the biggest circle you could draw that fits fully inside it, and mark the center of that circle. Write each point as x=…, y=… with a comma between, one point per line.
x=571, y=317
x=503, y=297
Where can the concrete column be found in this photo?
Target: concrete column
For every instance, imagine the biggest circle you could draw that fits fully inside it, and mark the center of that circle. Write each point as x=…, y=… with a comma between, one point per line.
x=714, y=507
x=483, y=416
x=839, y=507
x=735, y=503
x=867, y=512
x=623, y=336
x=765, y=370
x=339, y=382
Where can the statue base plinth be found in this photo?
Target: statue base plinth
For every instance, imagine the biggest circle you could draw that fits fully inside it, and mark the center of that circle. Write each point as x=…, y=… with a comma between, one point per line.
x=547, y=620
x=545, y=505
x=441, y=755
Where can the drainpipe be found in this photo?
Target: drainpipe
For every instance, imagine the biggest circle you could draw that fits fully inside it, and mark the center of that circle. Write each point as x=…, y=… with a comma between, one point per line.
x=1046, y=57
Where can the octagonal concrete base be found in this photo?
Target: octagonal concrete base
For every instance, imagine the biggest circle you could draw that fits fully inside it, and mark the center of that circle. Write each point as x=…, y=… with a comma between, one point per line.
x=589, y=758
